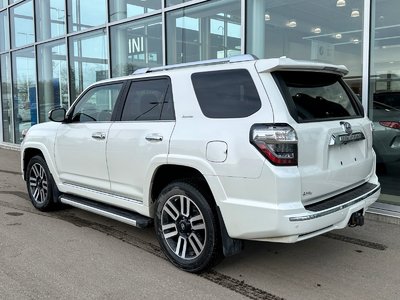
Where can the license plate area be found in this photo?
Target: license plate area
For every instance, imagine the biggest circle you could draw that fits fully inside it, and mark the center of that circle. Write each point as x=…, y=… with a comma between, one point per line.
x=345, y=154
x=342, y=139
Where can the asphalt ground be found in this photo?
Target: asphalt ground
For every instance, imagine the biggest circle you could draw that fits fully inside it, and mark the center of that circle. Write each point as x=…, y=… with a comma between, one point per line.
x=73, y=254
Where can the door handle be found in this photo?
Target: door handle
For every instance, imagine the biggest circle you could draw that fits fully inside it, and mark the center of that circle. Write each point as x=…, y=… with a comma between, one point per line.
x=154, y=138
x=98, y=135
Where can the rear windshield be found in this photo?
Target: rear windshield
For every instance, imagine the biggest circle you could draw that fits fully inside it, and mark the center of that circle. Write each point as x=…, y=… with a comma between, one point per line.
x=313, y=96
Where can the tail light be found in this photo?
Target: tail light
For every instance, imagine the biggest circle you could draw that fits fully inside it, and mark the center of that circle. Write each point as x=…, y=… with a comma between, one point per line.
x=277, y=142
x=390, y=124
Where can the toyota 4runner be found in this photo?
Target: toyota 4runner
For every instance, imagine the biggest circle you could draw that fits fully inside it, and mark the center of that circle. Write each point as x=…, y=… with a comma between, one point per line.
x=213, y=152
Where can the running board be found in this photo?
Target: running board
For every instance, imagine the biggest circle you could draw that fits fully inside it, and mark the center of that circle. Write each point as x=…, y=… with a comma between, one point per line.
x=112, y=212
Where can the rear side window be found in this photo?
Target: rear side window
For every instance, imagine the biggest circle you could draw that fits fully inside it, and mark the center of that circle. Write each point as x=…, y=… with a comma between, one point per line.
x=313, y=96
x=149, y=100
x=226, y=94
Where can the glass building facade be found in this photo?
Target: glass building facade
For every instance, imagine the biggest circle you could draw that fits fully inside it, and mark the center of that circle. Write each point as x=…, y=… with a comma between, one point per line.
x=50, y=50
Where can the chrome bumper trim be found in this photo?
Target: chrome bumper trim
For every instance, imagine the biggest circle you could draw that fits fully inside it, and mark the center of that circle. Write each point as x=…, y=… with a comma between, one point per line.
x=334, y=209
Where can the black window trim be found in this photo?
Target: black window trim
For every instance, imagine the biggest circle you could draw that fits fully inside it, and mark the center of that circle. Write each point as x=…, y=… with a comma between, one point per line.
x=287, y=97
x=119, y=107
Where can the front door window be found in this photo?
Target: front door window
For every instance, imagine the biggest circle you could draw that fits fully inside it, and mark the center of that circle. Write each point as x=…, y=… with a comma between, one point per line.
x=97, y=104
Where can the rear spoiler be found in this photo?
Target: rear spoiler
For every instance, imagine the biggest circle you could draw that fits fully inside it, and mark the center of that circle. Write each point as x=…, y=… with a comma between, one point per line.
x=287, y=64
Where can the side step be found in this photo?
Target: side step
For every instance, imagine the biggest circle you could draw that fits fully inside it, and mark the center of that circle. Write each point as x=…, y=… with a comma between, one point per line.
x=112, y=212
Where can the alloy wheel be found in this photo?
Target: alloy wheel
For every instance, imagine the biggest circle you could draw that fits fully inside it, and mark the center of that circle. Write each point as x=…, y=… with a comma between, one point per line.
x=183, y=227
x=38, y=183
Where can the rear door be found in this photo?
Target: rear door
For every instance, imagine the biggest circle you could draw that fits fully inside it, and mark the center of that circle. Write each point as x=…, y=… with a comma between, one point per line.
x=139, y=141
x=334, y=138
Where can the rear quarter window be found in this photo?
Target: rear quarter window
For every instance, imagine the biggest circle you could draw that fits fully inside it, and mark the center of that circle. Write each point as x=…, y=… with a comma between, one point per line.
x=226, y=94
x=313, y=96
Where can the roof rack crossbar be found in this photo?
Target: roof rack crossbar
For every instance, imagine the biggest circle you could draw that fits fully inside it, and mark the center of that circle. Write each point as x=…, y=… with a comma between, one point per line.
x=232, y=59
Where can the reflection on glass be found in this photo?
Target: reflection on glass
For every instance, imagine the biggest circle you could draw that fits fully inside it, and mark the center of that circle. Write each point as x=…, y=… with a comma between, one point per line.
x=308, y=30
x=88, y=61
x=22, y=29
x=83, y=14
x=136, y=45
x=24, y=91
x=50, y=18
x=3, y=3
x=4, y=31
x=175, y=2
x=384, y=107
x=204, y=32
x=122, y=9
x=98, y=103
x=5, y=88
x=52, y=78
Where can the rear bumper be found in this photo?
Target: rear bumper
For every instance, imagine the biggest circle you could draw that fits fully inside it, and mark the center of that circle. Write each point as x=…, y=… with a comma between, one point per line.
x=291, y=222
x=337, y=203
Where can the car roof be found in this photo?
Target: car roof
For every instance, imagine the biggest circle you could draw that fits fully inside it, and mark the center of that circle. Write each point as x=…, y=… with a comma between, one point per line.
x=262, y=65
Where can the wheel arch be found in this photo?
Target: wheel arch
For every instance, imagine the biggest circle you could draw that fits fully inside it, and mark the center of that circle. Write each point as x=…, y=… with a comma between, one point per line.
x=166, y=174
x=31, y=151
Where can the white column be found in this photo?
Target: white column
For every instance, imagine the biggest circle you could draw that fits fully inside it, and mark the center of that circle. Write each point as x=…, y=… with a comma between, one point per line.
x=119, y=10
x=256, y=28
x=45, y=20
x=369, y=28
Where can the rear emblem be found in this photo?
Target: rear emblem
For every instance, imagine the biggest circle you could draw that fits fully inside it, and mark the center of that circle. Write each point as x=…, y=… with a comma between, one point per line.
x=346, y=127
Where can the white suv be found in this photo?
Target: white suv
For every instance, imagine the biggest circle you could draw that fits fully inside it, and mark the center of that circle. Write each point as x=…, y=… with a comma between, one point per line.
x=214, y=152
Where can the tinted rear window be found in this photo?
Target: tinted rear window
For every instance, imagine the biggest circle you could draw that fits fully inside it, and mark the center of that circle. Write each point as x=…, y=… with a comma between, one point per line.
x=226, y=94
x=149, y=100
x=313, y=96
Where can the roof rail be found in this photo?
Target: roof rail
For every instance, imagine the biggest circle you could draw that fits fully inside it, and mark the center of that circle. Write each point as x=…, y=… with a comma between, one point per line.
x=232, y=59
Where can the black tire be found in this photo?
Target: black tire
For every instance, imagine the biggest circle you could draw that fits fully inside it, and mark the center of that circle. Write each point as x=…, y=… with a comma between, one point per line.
x=42, y=190
x=179, y=228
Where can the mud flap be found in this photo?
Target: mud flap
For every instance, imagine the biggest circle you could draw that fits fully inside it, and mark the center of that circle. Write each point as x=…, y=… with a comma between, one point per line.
x=230, y=246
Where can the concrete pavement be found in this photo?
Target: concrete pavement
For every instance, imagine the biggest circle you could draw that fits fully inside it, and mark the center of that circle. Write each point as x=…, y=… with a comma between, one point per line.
x=72, y=254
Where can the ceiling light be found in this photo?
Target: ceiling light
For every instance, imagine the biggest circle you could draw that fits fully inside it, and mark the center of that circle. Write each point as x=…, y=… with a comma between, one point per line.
x=291, y=23
x=355, y=13
x=355, y=41
x=338, y=36
x=267, y=16
x=341, y=3
x=316, y=30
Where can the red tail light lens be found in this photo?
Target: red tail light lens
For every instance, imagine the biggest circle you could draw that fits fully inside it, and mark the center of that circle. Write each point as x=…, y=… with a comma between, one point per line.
x=390, y=124
x=277, y=142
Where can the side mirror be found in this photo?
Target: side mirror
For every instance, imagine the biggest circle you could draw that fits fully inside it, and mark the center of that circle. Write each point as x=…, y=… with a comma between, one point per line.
x=57, y=114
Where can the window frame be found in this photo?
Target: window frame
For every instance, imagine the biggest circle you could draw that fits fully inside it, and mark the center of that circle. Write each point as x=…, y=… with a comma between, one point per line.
x=71, y=110
x=222, y=71
x=291, y=106
x=119, y=106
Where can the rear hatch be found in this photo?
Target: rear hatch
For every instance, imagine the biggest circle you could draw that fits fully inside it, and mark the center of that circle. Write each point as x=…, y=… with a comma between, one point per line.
x=334, y=138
